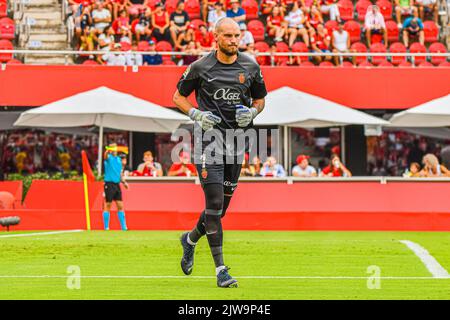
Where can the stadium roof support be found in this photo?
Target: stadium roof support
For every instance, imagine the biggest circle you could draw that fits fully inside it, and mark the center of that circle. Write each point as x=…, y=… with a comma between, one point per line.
x=105, y=108
x=434, y=113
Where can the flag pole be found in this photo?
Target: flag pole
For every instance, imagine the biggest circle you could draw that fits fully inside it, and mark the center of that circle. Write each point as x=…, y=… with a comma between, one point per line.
x=86, y=202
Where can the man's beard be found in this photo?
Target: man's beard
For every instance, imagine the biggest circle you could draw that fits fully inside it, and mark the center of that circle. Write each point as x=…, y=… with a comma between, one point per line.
x=228, y=52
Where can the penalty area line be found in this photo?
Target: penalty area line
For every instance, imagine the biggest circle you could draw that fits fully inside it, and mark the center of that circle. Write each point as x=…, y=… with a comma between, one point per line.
x=432, y=265
x=212, y=277
x=38, y=233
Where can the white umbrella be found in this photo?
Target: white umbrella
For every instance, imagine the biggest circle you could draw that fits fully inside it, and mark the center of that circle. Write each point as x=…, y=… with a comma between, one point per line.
x=293, y=108
x=104, y=107
x=434, y=113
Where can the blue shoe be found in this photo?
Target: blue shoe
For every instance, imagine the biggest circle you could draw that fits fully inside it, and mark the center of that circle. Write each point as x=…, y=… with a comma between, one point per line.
x=187, y=261
x=224, y=280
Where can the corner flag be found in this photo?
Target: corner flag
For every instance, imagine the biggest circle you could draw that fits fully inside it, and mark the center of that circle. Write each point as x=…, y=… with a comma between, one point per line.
x=88, y=176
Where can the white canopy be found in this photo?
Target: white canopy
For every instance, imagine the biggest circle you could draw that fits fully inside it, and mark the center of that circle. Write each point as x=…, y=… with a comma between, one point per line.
x=434, y=113
x=289, y=107
x=104, y=107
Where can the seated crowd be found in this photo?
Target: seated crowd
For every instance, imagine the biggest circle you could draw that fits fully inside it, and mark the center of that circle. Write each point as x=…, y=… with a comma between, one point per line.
x=321, y=26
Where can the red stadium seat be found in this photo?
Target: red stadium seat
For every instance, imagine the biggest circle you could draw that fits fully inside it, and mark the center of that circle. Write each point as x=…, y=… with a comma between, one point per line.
x=281, y=47
x=115, y=26
x=192, y=7
x=262, y=46
x=345, y=9
x=416, y=47
x=361, y=8
x=300, y=47
x=392, y=31
x=307, y=64
x=386, y=64
x=331, y=25
x=125, y=46
x=431, y=31
x=365, y=64
x=3, y=9
x=143, y=46
x=197, y=23
x=326, y=64
x=251, y=9
x=405, y=64
x=256, y=27
x=152, y=3
x=397, y=47
x=437, y=47
x=378, y=48
x=168, y=62
x=425, y=64
x=354, y=30
x=347, y=64
x=385, y=9
x=133, y=25
x=171, y=6
x=6, y=200
x=7, y=29
x=444, y=64
x=6, y=45
x=361, y=48
x=14, y=61
x=164, y=46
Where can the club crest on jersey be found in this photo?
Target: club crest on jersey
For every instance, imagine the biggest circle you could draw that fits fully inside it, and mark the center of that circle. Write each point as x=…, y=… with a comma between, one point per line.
x=241, y=77
x=204, y=173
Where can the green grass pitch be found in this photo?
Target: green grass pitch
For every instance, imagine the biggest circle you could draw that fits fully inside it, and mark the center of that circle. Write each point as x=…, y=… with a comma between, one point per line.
x=145, y=265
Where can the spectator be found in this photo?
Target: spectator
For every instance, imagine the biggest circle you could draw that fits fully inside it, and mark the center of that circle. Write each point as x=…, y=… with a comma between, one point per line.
x=83, y=21
x=101, y=17
x=114, y=59
x=272, y=169
x=445, y=156
x=105, y=41
x=237, y=13
x=335, y=168
x=215, y=15
x=183, y=168
x=160, y=23
x=207, y=6
x=133, y=58
x=179, y=20
x=257, y=165
x=192, y=53
x=186, y=37
x=151, y=59
x=267, y=7
x=303, y=169
x=123, y=24
x=250, y=51
x=330, y=7
x=142, y=28
x=296, y=24
x=320, y=42
x=404, y=7
x=374, y=24
x=205, y=39
x=428, y=7
x=247, y=170
x=125, y=168
x=136, y=7
x=414, y=171
x=432, y=167
x=276, y=27
x=315, y=17
x=340, y=43
x=246, y=37
x=413, y=27
x=117, y=6
x=87, y=40
x=150, y=167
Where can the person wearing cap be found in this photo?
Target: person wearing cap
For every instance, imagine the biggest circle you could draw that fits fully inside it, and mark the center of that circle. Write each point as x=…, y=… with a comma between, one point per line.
x=152, y=58
x=413, y=27
x=179, y=22
x=246, y=37
x=132, y=58
x=113, y=59
x=237, y=13
x=216, y=14
x=303, y=168
x=184, y=168
x=160, y=23
x=374, y=24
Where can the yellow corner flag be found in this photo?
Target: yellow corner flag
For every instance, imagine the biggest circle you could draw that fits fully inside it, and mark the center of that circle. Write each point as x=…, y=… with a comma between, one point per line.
x=88, y=176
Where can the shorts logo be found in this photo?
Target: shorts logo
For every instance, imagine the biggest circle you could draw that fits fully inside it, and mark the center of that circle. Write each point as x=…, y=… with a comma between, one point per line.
x=241, y=77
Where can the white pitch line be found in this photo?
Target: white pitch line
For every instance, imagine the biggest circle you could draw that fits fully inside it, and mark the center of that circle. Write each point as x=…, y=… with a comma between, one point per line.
x=433, y=266
x=212, y=277
x=38, y=233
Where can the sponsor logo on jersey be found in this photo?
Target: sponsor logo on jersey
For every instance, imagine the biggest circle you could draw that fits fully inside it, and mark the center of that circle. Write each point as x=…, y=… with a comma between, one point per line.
x=226, y=94
x=241, y=77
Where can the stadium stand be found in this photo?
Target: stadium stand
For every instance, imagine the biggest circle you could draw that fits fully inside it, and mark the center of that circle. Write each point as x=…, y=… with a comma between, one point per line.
x=62, y=24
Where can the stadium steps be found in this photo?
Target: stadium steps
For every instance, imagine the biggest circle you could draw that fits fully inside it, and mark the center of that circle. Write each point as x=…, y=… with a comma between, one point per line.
x=47, y=32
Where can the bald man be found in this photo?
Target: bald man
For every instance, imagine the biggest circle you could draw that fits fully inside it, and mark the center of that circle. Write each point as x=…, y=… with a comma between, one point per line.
x=230, y=92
